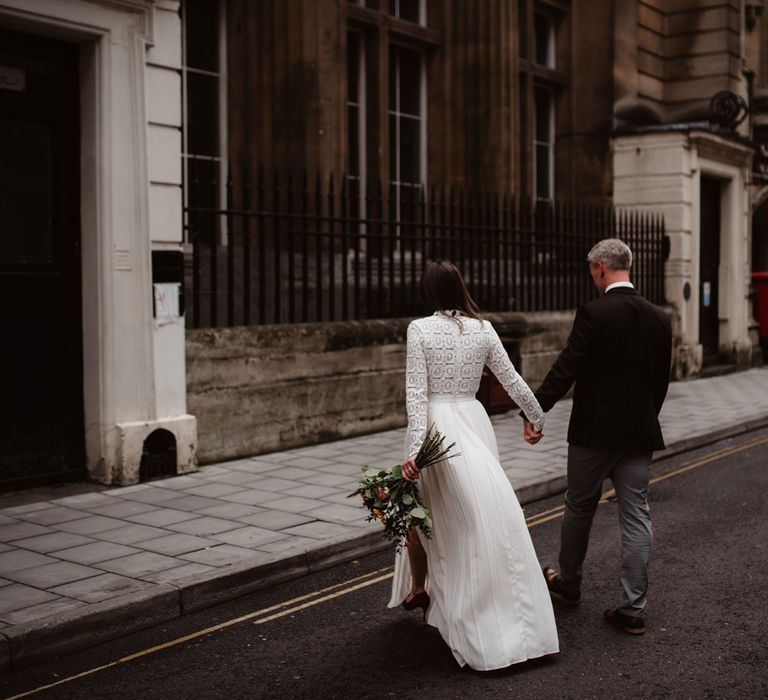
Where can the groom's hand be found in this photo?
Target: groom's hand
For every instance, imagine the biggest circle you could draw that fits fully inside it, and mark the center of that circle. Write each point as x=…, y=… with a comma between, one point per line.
x=530, y=435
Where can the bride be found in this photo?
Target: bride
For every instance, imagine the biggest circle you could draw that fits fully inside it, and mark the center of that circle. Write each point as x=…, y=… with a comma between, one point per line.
x=477, y=579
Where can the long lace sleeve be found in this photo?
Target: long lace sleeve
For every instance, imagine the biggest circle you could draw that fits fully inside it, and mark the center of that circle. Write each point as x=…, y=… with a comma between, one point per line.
x=415, y=389
x=505, y=372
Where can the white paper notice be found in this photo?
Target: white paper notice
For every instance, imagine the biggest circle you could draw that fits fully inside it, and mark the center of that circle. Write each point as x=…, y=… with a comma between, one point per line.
x=167, y=301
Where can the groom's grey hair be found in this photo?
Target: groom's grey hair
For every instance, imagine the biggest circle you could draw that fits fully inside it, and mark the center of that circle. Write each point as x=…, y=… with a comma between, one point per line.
x=613, y=252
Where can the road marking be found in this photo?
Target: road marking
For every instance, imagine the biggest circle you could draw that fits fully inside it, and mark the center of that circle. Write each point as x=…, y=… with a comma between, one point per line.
x=559, y=511
x=323, y=595
x=216, y=628
x=727, y=452
x=331, y=596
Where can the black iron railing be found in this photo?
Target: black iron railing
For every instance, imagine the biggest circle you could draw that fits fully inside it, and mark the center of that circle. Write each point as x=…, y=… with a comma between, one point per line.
x=287, y=250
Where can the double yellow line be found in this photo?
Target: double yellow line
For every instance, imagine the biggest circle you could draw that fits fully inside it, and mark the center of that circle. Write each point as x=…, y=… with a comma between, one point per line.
x=259, y=617
x=559, y=511
x=294, y=605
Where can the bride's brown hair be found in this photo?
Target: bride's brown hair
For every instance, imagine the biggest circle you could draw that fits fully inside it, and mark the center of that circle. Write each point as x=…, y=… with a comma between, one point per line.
x=443, y=289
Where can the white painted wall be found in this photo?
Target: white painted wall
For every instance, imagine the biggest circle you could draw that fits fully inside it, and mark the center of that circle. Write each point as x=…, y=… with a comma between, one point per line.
x=134, y=375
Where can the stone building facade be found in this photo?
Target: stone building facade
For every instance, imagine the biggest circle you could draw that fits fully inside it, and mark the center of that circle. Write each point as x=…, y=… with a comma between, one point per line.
x=125, y=106
x=606, y=102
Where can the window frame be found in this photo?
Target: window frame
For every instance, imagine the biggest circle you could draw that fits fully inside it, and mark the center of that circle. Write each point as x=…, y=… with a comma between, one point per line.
x=395, y=178
x=222, y=135
x=551, y=20
x=422, y=22
x=361, y=90
x=549, y=144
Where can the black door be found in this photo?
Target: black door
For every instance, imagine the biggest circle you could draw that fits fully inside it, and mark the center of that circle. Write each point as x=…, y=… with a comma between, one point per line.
x=41, y=374
x=709, y=269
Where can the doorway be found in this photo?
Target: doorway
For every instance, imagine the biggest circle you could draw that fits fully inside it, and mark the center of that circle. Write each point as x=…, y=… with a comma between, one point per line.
x=41, y=367
x=709, y=269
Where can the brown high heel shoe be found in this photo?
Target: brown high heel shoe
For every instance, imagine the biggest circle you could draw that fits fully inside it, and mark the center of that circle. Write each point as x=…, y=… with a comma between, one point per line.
x=420, y=600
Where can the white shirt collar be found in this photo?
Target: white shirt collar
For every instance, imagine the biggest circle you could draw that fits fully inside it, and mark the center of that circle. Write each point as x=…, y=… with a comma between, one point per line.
x=616, y=285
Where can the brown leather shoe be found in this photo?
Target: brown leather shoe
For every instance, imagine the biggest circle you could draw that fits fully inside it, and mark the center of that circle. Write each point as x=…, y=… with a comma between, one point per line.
x=556, y=587
x=628, y=623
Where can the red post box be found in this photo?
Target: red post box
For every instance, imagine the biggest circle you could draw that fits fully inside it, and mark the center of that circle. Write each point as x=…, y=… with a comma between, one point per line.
x=760, y=306
x=760, y=284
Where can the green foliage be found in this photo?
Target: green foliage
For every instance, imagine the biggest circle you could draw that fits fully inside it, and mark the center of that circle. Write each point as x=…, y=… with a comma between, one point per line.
x=396, y=502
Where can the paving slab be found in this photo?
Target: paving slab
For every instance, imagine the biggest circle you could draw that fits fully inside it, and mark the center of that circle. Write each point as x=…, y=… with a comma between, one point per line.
x=51, y=516
x=249, y=536
x=26, y=508
x=215, y=490
x=312, y=491
x=251, y=497
x=236, y=511
x=35, y=612
x=176, y=543
x=252, y=466
x=161, y=517
x=19, y=559
x=275, y=519
x=131, y=533
x=222, y=555
x=136, y=565
x=17, y=596
x=191, y=503
x=95, y=552
x=177, y=573
x=293, y=504
x=317, y=530
x=123, y=509
x=22, y=530
x=91, y=525
x=205, y=525
x=52, y=575
x=100, y=588
x=233, y=478
x=150, y=495
x=53, y=542
x=85, y=500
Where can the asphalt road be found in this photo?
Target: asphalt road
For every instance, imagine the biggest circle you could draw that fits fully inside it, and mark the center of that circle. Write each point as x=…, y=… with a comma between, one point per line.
x=707, y=618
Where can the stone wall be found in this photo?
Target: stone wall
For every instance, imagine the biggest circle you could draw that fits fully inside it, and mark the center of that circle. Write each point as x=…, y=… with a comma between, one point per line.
x=258, y=389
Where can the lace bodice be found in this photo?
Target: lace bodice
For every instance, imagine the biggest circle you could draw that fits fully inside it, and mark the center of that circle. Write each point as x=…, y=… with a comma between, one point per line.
x=446, y=356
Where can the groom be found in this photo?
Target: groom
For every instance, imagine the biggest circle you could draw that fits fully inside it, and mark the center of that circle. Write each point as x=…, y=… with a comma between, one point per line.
x=618, y=354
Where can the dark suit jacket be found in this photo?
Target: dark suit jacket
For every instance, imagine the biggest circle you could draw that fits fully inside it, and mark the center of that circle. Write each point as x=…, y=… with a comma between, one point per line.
x=619, y=355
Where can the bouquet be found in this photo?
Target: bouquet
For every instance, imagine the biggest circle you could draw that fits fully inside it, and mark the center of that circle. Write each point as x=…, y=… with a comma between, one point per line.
x=394, y=501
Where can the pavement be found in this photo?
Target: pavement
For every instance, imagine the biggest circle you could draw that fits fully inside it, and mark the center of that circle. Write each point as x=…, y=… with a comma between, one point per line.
x=81, y=569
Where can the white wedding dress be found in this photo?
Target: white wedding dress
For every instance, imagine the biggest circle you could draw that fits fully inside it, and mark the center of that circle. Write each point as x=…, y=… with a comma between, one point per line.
x=488, y=596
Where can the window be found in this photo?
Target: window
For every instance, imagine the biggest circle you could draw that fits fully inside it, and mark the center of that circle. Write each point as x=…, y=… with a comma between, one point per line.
x=543, y=144
x=409, y=10
x=407, y=126
x=204, y=120
x=540, y=84
x=544, y=40
x=356, y=150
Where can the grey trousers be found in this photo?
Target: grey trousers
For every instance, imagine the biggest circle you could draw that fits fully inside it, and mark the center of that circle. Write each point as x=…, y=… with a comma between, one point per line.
x=628, y=470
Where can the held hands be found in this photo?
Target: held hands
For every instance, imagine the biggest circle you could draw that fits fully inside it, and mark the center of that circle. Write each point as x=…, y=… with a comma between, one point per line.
x=530, y=435
x=409, y=470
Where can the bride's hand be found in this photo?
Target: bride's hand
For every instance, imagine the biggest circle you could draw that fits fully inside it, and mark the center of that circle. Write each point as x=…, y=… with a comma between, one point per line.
x=409, y=470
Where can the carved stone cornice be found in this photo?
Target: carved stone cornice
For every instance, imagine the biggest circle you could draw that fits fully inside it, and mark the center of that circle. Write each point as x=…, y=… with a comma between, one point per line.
x=721, y=149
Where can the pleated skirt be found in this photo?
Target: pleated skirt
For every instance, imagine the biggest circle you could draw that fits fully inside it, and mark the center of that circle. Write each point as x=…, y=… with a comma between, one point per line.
x=488, y=597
